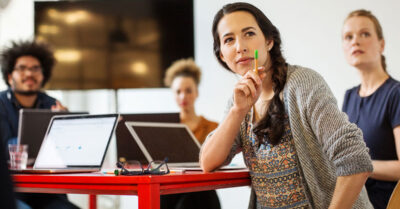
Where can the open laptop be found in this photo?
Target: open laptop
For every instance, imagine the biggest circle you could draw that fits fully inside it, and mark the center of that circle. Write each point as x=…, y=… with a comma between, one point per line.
x=172, y=140
x=32, y=128
x=127, y=148
x=75, y=143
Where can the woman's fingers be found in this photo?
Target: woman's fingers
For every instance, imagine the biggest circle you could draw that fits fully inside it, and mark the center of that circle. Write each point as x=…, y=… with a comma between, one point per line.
x=261, y=69
x=262, y=72
x=256, y=78
x=251, y=74
x=244, y=89
x=249, y=83
x=248, y=88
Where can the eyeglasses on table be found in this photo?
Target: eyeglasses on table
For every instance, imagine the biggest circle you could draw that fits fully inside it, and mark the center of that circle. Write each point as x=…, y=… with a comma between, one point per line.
x=136, y=168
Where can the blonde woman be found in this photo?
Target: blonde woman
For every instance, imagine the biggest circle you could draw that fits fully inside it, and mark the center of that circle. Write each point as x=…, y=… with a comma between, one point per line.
x=374, y=105
x=183, y=76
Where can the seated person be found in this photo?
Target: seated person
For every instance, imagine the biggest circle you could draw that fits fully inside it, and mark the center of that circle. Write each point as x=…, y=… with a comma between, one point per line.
x=26, y=67
x=184, y=77
x=374, y=104
x=300, y=149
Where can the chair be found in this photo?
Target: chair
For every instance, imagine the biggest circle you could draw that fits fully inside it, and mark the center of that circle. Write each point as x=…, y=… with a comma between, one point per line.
x=394, y=201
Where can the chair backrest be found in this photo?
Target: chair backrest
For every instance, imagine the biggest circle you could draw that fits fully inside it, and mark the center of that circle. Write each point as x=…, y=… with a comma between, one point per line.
x=394, y=201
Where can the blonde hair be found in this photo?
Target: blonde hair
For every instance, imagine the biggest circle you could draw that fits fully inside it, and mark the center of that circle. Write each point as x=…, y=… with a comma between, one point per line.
x=378, y=27
x=183, y=67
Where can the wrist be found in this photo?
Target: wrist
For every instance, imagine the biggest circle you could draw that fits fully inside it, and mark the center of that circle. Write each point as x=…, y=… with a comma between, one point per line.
x=241, y=112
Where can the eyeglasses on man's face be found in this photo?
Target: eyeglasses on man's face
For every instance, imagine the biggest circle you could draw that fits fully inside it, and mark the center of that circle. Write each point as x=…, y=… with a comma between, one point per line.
x=136, y=168
x=22, y=69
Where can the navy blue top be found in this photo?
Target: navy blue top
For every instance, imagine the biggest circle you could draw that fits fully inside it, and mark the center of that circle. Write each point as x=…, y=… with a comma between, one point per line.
x=377, y=115
x=9, y=114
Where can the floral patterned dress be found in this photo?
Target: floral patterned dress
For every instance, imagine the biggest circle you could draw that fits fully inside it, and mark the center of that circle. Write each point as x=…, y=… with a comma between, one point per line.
x=274, y=169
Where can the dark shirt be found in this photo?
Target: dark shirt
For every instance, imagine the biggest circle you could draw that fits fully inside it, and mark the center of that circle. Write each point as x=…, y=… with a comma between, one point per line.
x=6, y=188
x=377, y=115
x=9, y=114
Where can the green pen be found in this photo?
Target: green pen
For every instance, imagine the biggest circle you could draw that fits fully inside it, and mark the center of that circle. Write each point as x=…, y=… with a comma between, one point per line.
x=255, y=61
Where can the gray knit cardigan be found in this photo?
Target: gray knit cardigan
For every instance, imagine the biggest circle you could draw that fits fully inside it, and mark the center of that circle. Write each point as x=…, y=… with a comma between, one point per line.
x=327, y=144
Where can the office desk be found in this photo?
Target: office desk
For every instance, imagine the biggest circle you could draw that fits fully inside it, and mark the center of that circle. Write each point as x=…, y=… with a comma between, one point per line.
x=147, y=188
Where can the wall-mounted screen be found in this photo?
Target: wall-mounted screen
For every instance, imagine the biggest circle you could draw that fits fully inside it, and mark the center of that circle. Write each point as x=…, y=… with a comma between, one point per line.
x=114, y=44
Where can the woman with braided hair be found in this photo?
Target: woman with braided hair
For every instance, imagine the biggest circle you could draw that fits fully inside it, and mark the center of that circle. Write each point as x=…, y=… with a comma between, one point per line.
x=301, y=150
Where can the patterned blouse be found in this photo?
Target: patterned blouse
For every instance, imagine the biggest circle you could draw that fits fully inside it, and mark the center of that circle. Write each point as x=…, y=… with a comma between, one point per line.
x=274, y=170
x=327, y=145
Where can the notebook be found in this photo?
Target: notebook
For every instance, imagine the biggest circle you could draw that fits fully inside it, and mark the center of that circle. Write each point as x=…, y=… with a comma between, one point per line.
x=32, y=128
x=127, y=148
x=172, y=140
x=75, y=143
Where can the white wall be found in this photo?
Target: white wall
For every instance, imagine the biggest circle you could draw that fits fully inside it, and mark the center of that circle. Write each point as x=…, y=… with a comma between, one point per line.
x=310, y=31
x=16, y=21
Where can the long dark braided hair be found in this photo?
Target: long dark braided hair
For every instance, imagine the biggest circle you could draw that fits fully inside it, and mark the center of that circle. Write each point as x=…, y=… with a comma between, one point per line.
x=270, y=127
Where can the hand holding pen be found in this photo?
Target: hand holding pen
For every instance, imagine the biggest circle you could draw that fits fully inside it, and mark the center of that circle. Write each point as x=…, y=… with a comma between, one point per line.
x=248, y=89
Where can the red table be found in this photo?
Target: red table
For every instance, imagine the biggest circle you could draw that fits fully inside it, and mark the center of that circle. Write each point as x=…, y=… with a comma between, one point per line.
x=148, y=187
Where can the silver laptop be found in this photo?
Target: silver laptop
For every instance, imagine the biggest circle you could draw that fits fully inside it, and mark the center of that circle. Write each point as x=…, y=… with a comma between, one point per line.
x=172, y=140
x=75, y=143
x=32, y=127
x=127, y=148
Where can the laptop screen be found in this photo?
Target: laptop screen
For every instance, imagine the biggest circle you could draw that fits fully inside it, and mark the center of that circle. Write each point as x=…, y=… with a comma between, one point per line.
x=160, y=140
x=76, y=141
x=127, y=148
x=33, y=125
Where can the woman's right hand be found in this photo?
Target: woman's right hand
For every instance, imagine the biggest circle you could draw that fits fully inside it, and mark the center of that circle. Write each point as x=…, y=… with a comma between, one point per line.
x=217, y=147
x=248, y=89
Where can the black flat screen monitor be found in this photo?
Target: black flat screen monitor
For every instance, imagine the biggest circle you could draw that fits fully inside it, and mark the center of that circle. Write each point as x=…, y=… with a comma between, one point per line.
x=114, y=44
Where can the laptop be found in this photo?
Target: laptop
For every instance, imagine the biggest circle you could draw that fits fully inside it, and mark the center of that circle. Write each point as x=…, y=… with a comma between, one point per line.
x=127, y=148
x=76, y=143
x=172, y=140
x=32, y=128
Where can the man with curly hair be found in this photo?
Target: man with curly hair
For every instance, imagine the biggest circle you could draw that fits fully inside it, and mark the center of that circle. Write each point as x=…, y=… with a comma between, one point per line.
x=26, y=67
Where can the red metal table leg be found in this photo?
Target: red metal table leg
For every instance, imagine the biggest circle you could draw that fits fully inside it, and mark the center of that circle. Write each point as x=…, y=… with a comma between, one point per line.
x=149, y=196
x=92, y=201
